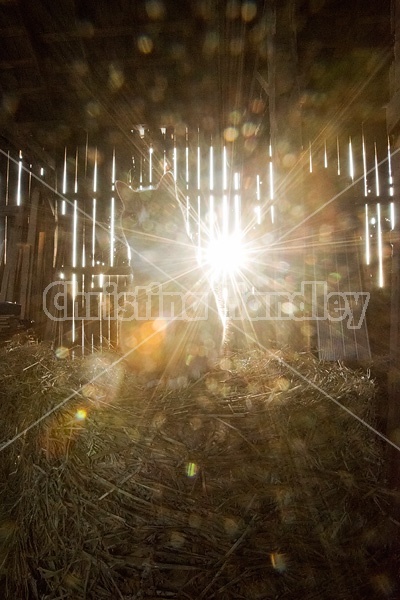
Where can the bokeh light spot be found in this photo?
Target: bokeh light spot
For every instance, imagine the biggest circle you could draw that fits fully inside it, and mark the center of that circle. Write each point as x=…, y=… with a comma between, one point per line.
x=282, y=384
x=288, y=308
x=196, y=423
x=145, y=44
x=62, y=352
x=231, y=134
x=177, y=539
x=231, y=526
x=194, y=521
x=81, y=414
x=210, y=44
x=249, y=11
x=278, y=561
x=89, y=390
x=289, y=160
x=310, y=260
x=115, y=78
x=334, y=277
x=235, y=117
x=249, y=129
x=155, y=9
x=191, y=469
x=93, y=109
x=225, y=364
x=382, y=584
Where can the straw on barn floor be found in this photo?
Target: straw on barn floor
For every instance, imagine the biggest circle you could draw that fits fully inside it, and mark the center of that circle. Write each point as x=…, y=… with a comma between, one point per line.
x=248, y=484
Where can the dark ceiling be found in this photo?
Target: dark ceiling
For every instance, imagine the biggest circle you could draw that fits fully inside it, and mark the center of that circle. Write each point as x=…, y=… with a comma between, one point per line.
x=105, y=66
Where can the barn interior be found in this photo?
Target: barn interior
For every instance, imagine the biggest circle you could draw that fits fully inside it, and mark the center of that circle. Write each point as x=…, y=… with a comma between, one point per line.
x=277, y=121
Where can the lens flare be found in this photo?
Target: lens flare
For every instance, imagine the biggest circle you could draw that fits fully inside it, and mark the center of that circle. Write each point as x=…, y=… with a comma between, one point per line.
x=81, y=414
x=191, y=469
x=226, y=255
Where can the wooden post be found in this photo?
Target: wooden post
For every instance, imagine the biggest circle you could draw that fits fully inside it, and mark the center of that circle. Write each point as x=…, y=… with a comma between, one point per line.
x=283, y=87
x=393, y=412
x=281, y=84
x=28, y=253
x=10, y=273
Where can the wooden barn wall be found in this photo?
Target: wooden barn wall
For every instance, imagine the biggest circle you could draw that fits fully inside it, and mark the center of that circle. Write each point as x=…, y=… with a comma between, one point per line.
x=59, y=224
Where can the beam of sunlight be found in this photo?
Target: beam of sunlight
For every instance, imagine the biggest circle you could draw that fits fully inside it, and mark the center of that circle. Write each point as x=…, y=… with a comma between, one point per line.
x=237, y=203
x=90, y=217
x=151, y=165
x=365, y=179
x=271, y=184
x=271, y=176
x=325, y=204
x=30, y=182
x=364, y=158
x=187, y=159
x=100, y=309
x=391, y=186
x=198, y=167
x=141, y=173
x=95, y=173
x=112, y=212
x=74, y=289
x=199, y=240
x=211, y=188
x=392, y=216
x=377, y=186
x=94, y=211
x=64, y=184
x=187, y=180
x=175, y=160
x=76, y=172
x=211, y=169
x=225, y=215
x=83, y=344
x=367, y=237
x=112, y=230
x=380, y=246
x=212, y=217
x=257, y=208
x=75, y=234
x=390, y=175
x=351, y=160
x=83, y=242
x=224, y=170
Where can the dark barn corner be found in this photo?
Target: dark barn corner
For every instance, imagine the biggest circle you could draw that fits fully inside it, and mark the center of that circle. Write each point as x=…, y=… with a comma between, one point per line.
x=199, y=300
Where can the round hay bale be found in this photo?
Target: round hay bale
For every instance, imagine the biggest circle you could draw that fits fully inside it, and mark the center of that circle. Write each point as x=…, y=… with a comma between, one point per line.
x=256, y=482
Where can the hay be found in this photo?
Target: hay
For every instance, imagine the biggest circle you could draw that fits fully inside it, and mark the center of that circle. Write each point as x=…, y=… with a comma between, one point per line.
x=250, y=484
